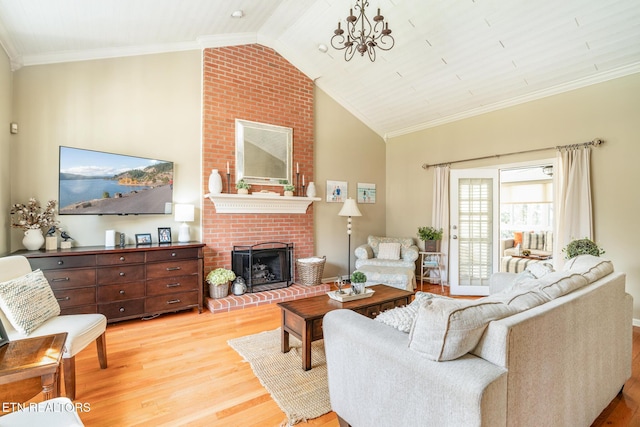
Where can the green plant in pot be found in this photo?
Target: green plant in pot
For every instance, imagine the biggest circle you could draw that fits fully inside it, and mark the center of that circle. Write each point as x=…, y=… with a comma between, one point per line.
x=431, y=237
x=358, y=279
x=218, y=281
x=582, y=247
x=243, y=187
x=289, y=189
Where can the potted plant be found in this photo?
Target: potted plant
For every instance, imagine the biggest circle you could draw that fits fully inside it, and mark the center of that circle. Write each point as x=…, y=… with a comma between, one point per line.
x=243, y=187
x=582, y=247
x=289, y=189
x=218, y=281
x=358, y=278
x=431, y=237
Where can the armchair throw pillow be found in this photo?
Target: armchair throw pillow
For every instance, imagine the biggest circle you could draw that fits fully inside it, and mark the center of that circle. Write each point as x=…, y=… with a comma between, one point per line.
x=28, y=301
x=389, y=250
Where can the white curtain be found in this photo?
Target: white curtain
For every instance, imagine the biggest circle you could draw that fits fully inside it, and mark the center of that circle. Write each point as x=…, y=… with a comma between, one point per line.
x=574, y=219
x=440, y=213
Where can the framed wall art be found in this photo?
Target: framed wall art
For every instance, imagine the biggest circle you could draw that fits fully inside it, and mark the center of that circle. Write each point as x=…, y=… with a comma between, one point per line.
x=366, y=193
x=337, y=191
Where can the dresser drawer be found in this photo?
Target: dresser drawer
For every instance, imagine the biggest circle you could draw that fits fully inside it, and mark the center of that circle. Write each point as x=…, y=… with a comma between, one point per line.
x=120, y=292
x=171, y=268
x=75, y=297
x=81, y=309
x=129, y=308
x=55, y=262
x=168, y=285
x=169, y=254
x=121, y=258
x=171, y=302
x=70, y=279
x=120, y=274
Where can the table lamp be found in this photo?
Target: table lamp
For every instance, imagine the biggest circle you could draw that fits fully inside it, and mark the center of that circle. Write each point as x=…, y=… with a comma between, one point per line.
x=349, y=209
x=184, y=213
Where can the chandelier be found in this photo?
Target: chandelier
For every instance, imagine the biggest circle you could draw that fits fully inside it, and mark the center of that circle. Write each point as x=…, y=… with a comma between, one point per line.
x=362, y=36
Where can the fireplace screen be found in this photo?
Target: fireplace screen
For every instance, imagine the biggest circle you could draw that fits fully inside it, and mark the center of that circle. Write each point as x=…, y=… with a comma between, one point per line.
x=264, y=266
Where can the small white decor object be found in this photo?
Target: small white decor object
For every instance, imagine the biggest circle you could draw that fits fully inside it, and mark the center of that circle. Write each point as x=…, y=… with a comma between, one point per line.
x=215, y=182
x=347, y=296
x=110, y=238
x=33, y=239
x=311, y=190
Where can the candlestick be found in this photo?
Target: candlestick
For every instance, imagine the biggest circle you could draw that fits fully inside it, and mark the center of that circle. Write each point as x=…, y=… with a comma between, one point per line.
x=297, y=180
x=228, y=182
x=303, y=180
x=303, y=193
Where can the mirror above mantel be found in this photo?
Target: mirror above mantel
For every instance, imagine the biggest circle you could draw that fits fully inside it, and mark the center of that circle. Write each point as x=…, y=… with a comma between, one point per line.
x=264, y=153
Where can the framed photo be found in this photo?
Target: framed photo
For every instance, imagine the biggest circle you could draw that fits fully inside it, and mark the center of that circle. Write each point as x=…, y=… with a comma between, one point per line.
x=366, y=193
x=4, y=338
x=337, y=191
x=164, y=235
x=143, y=239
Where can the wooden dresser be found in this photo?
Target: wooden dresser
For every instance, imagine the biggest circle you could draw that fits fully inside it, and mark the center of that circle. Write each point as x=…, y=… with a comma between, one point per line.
x=124, y=282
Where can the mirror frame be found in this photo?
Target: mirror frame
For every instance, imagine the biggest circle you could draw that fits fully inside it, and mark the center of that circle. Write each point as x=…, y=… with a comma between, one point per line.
x=281, y=131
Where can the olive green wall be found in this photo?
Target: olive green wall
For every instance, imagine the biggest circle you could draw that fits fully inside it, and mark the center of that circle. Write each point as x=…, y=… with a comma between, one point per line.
x=6, y=140
x=147, y=106
x=609, y=110
x=346, y=150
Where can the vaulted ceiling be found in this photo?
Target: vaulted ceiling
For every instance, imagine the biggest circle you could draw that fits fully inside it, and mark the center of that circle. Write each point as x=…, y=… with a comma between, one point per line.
x=452, y=58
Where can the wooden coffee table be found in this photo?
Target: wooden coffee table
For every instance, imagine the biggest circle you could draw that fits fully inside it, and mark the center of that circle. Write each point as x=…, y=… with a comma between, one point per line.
x=303, y=318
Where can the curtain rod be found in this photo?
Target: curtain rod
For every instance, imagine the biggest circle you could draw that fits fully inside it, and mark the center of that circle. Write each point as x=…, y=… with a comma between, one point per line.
x=595, y=142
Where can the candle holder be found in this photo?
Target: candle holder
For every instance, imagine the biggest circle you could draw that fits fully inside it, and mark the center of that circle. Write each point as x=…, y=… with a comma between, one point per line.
x=228, y=183
x=297, y=181
x=303, y=193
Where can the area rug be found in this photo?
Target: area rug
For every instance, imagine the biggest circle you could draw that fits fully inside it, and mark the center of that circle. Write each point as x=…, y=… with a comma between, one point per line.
x=302, y=395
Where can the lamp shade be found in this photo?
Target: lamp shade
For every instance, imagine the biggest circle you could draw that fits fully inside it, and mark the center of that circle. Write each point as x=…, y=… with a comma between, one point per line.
x=184, y=212
x=349, y=208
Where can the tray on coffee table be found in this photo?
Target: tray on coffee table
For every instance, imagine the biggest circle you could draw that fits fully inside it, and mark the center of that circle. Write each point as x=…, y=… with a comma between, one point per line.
x=347, y=296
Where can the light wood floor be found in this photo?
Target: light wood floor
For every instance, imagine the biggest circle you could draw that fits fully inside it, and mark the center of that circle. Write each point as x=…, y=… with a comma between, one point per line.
x=178, y=370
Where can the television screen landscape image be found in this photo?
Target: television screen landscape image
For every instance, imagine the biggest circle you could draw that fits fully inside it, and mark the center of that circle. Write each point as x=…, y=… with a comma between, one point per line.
x=99, y=183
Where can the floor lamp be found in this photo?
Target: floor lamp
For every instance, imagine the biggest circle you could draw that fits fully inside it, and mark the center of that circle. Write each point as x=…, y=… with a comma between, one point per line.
x=349, y=209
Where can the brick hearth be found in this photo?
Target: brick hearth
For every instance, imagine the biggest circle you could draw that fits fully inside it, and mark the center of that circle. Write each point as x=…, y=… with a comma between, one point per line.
x=293, y=292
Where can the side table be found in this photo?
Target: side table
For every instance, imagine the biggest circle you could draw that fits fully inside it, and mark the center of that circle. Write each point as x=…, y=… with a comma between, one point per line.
x=34, y=357
x=431, y=262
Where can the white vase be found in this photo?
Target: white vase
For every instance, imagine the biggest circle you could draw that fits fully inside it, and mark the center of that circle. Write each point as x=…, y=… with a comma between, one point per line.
x=311, y=190
x=33, y=239
x=215, y=182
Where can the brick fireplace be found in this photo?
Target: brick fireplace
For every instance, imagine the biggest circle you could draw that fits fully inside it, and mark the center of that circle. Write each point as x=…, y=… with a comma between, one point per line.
x=254, y=83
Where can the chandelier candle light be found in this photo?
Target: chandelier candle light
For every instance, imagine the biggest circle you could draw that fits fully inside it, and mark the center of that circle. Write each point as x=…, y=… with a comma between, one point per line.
x=362, y=36
x=349, y=209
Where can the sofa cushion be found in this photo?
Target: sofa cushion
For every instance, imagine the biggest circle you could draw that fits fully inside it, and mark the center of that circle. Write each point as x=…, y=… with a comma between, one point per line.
x=389, y=250
x=560, y=283
x=533, y=241
x=402, y=318
x=590, y=267
x=548, y=241
x=28, y=301
x=445, y=329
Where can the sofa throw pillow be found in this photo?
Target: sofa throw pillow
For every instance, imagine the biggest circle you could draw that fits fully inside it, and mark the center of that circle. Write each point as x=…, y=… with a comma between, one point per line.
x=517, y=238
x=28, y=301
x=533, y=241
x=389, y=251
x=539, y=269
x=548, y=241
x=446, y=329
x=402, y=318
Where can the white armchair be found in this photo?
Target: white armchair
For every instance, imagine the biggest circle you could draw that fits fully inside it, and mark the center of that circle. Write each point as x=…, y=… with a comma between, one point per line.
x=82, y=329
x=369, y=253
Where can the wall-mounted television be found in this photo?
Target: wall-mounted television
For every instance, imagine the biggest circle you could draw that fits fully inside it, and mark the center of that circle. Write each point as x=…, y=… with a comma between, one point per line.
x=99, y=183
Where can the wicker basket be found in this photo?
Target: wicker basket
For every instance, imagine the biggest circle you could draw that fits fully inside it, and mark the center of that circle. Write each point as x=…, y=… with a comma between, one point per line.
x=310, y=272
x=219, y=291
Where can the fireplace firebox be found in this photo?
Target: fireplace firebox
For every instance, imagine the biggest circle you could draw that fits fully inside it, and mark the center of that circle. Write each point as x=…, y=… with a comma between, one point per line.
x=264, y=266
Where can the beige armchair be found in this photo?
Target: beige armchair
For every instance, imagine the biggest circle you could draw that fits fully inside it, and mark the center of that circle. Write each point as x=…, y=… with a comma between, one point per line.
x=370, y=254
x=82, y=329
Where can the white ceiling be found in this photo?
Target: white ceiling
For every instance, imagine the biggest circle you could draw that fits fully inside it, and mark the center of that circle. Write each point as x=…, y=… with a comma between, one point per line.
x=452, y=58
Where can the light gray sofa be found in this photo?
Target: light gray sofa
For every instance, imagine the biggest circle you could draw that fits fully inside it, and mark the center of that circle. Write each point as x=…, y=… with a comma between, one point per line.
x=558, y=363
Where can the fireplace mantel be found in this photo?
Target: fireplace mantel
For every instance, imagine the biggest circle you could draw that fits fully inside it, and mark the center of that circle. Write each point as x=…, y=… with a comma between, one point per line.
x=260, y=203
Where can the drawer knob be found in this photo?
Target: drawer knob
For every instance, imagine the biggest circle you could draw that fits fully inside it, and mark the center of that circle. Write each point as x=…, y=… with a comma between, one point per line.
x=121, y=291
x=173, y=254
x=121, y=258
x=173, y=301
x=122, y=273
x=60, y=262
x=121, y=309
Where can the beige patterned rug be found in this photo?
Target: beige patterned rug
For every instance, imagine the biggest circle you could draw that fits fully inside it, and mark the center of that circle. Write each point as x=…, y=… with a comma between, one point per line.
x=302, y=395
